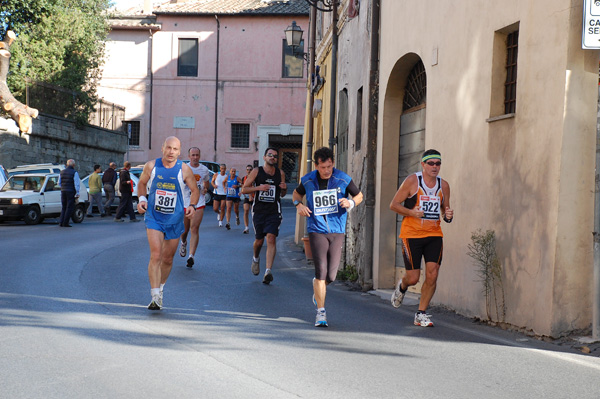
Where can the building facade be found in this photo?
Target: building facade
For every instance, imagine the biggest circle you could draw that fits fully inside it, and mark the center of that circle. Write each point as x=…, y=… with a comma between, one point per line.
x=216, y=74
x=507, y=95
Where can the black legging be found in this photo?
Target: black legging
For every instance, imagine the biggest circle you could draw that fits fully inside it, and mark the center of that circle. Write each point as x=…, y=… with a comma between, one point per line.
x=327, y=252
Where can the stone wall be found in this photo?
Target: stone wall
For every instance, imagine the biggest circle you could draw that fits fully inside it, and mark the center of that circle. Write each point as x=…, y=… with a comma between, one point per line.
x=54, y=140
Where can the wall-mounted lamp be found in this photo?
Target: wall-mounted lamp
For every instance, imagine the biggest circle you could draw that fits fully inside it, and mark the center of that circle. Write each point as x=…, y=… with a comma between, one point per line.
x=256, y=140
x=293, y=36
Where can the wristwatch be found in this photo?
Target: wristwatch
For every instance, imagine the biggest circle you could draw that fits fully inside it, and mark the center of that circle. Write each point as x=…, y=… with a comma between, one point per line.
x=296, y=203
x=193, y=206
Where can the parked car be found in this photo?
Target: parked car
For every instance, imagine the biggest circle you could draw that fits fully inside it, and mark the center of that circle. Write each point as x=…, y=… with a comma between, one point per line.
x=32, y=197
x=86, y=183
x=3, y=175
x=36, y=168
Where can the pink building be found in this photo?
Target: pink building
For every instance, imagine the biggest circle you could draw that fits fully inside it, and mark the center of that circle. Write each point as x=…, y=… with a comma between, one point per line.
x=217, y=74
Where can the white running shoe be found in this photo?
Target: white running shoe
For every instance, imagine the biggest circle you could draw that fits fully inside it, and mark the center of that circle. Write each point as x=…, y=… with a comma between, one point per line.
x=160, y=299
x=156, y=303
x=321, y=319
x=220, y=224
x=397, y=297
x=246, y=231
x=268, y=277
x=423, y=320
x=255, y=267
x=183, y=249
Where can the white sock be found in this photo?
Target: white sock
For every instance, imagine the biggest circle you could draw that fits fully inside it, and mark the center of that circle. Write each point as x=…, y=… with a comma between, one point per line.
x=191, y=256
x=321, y=310
x=155, y=291
x=268, y=271
x=255, y=259
x=162, y=287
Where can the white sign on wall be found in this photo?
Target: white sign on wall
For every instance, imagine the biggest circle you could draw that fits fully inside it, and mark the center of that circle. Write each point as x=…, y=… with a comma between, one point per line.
x=590, y=38
x=184, y=122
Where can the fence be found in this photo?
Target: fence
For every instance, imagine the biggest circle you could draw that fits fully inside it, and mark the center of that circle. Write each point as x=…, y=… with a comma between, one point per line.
x=58, y=101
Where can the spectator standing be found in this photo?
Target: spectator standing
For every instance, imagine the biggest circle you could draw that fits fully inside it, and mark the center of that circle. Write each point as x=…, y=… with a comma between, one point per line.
x=69, y=190
x=95, y=183
x=109, y=179
x=126, y=189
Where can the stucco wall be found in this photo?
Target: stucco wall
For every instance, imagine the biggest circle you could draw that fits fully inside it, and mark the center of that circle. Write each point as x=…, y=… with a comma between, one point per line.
x=54, y=140
x=529, y=178
x=251, y=88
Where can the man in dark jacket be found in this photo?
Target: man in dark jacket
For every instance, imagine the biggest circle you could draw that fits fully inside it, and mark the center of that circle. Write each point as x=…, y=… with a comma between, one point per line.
x=109, y=179
x=69, y=190
x=126, y=188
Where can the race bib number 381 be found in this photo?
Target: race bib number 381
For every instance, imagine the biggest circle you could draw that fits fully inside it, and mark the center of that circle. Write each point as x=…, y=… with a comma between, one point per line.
x=165, y=201
x=325, y=202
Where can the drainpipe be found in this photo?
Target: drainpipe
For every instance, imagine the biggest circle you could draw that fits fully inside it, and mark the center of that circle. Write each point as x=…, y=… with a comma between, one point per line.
x=151, y=89
x=217, y=87
x=311, y=98
x=333, y=92
x=372, y=143
x=596, y=275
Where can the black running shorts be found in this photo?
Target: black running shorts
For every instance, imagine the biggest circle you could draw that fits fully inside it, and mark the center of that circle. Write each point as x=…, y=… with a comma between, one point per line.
x=413, y=249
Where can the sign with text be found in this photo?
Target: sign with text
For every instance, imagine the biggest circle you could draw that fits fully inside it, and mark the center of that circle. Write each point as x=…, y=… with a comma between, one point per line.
x=184, y=122
x=590, y=38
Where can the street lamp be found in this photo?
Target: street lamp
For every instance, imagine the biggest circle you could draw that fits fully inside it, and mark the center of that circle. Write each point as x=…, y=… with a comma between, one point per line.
x=293, y=36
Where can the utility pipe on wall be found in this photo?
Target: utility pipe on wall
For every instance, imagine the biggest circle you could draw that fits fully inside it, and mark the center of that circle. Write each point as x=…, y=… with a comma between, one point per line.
x=333, y=92
x=311, y=74
x=217, y=87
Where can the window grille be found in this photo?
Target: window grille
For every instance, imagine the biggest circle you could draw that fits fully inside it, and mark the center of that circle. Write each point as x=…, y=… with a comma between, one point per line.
x=510, y=86
x=240, y=135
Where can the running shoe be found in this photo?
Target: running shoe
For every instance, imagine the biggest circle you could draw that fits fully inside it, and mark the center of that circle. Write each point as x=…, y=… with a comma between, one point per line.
x=227, y=226
x=321, y=319
x=397, y=297
x=255, y=267
x=160, y=299
x=156, y=303
x=246, y=231
x=237, y=221
x=268, y=277
x=423, y=320
x=220, y=224
x=183, y=249
x=190, y=262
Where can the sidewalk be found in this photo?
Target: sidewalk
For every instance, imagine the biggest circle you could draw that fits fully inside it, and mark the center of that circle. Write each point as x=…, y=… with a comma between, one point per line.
x=293, y=256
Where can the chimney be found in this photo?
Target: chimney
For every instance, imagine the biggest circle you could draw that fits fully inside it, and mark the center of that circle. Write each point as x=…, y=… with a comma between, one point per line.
x=147, y=7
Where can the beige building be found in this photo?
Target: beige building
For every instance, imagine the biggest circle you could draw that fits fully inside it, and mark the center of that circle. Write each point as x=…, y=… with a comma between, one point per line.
x=506, y=94
x=518, y=152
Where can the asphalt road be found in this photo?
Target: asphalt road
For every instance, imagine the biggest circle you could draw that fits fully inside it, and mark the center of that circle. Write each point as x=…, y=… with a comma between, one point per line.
x=74, y=324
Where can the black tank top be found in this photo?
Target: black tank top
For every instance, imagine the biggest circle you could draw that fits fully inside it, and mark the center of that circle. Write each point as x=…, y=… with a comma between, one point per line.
x=267, y=201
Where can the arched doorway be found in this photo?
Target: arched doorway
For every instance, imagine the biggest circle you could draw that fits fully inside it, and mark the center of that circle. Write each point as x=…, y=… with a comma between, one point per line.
x=412, y=142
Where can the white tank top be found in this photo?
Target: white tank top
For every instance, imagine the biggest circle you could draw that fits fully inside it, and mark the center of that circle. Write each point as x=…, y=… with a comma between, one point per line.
x=219, y=182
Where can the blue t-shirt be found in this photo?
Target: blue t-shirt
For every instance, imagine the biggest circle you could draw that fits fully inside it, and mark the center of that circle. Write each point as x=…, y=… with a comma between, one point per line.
x=165, y=199
x=233, y=192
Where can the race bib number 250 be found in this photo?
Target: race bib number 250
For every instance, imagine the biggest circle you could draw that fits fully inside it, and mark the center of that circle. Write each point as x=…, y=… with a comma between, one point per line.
x=269, y=195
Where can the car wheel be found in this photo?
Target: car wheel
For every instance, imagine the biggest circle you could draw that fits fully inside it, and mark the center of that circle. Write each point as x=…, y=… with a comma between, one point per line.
x=33, y=215
x=78, y=213
x=208, y=198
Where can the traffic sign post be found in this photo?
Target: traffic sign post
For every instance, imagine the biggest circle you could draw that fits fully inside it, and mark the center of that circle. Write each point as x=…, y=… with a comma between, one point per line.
x=590, y=37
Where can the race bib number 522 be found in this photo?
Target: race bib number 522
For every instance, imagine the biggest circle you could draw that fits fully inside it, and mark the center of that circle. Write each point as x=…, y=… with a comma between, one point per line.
x=430, y=205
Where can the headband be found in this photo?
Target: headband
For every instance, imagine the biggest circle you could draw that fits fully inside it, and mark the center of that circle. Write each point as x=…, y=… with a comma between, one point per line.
x=432, y=156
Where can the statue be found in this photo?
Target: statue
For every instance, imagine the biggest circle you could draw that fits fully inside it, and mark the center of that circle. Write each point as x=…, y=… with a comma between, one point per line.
x=18, y=111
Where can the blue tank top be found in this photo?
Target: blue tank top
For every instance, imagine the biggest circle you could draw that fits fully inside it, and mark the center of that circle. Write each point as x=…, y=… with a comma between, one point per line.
x=165, y=199
x=233, y=192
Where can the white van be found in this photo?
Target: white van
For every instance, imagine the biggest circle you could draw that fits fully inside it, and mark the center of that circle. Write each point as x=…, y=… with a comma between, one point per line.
x=36, y=168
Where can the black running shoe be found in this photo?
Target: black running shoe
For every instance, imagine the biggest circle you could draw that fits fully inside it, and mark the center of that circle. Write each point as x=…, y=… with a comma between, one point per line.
x=227, y=226
x=190, y=262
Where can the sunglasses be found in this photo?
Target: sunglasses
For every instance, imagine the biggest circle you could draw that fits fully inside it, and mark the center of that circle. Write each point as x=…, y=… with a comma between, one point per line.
x=273, y=155
x=431, y=163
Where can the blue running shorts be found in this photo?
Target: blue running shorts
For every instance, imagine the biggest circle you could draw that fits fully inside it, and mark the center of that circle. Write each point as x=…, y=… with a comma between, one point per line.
x=171, y=231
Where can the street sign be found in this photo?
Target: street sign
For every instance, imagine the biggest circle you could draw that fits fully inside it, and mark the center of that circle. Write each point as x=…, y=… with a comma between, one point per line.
x=590, y=38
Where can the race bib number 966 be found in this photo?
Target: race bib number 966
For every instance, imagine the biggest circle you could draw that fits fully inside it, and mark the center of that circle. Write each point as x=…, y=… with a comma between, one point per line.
x=325, y=202
x=165, y=201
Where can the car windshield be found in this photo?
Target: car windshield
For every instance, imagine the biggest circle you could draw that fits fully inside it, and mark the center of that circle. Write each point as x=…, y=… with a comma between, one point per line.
x=136, y=172
x=24, y=183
